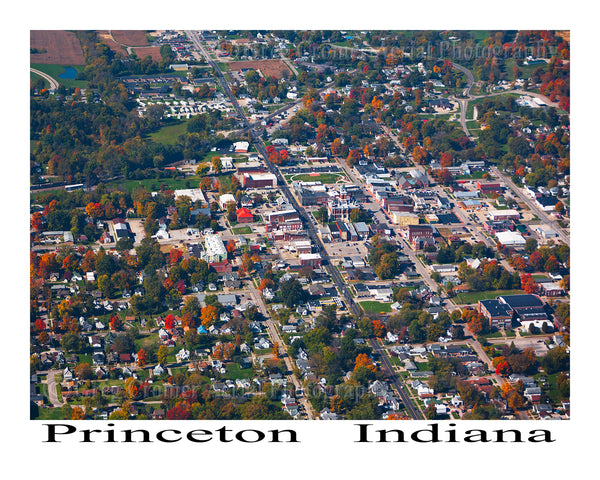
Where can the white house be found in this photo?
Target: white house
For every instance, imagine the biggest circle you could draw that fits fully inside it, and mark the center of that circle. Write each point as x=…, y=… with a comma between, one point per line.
x=182, y=355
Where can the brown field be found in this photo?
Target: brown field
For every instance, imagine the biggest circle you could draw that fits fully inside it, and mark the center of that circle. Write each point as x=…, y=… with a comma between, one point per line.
x=58, y=47
x=131, y=38
x=275, y=68
x=119, y=40
x=154, y=52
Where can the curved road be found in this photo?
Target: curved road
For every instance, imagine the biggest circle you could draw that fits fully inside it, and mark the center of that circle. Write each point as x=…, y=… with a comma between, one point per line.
x=53, y=83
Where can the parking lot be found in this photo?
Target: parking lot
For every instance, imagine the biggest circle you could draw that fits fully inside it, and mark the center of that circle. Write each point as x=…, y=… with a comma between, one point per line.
x=339, y=250
x=534, y=342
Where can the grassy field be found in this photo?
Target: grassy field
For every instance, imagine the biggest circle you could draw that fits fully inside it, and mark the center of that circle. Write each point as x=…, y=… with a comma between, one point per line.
x=154, y=185
x=377, y=307
x=168, y=134
x=245, y=230
x=50, y=414
x=55, y=70
x=474, y=297
x=324, y=178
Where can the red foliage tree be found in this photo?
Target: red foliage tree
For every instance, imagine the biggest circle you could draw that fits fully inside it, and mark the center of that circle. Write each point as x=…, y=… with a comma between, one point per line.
x=115, y=323
x=169, y=321
x=178, y=412
x=175, y=255
x=141, y=357
x=528, y=283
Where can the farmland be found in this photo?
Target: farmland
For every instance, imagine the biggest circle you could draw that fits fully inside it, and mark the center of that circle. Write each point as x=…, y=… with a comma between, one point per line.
x=269, y=68
x=55, y=47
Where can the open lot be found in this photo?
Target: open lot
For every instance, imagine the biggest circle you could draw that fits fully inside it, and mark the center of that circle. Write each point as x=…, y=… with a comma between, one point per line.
x=269, y=68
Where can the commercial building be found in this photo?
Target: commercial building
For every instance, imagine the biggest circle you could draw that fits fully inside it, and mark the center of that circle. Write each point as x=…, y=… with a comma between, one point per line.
x=259, y=180
x=498, y=314
x=310, y=260
x=214, y=249
x=500, y=215
x=510, y=238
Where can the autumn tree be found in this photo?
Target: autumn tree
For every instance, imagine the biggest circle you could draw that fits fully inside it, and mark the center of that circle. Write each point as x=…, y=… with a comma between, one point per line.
x=115, y=323
x=132, y=388
x=77, y=413
x=142, y=358
x=169, y=321
x=162, y=354
x=175, y=255
x=363, y=360
x=83, y=371
x=208, y=315
x=528, y=283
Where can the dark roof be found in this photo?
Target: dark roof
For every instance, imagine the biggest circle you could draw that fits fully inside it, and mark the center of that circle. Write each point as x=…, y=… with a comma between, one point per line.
x=547, y=200
x=496, y=309
x=521, y=301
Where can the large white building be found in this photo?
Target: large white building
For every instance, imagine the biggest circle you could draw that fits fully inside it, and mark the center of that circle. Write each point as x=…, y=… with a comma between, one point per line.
x=214, y=249
x=195, y=194
x=510, y=238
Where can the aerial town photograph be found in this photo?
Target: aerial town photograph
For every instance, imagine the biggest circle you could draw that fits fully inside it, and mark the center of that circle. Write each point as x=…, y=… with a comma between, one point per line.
x=299, y=225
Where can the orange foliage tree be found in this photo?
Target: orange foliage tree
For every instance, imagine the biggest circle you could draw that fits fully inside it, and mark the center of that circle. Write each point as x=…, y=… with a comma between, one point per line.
x=208, y=315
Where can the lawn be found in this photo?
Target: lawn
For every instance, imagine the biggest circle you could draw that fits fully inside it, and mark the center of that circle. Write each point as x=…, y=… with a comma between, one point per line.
x=55, y=70
x=242, y=230
x=168, y=134
x=474, y=297
x=324, y=178
x=153, y=184
x=234, y=371
x=377, y=307
x=50, y=414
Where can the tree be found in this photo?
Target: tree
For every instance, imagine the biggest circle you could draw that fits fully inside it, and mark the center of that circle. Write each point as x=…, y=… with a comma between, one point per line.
x=208, y=315
x=322, y=215
x=169, y=321
x=528, y=283
x=179, y=412
x=363, y=360
x=141, y=358
x=83, y=371
x=162, y=354
x=292, y=293
x=115, y=323
x=217, y=165
x=77, y=413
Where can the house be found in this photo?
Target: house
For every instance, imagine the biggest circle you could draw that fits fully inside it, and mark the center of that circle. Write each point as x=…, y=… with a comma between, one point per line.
x=244, y=215
x=327, y=414
x=182, y=355
x=158, y=370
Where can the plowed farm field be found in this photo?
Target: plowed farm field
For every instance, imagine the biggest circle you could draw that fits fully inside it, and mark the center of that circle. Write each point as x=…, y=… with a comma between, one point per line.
x=275, y=68
x=56, y=47
x=119, y=41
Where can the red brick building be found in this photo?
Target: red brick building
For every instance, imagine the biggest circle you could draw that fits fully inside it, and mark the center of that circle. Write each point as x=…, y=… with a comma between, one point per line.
x=244, y=216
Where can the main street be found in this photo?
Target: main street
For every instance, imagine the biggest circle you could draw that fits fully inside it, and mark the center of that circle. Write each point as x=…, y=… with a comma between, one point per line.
x=312, y=233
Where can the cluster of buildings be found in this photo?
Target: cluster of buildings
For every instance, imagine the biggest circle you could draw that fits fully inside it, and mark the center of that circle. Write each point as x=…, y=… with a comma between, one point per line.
x=526, y=309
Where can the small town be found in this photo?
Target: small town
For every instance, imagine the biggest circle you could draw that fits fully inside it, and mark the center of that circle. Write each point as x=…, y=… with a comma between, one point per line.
x=299, y=225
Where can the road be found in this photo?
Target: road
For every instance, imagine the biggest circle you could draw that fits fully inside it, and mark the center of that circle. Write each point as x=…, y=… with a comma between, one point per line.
x=463, y=102
x=276, y=338
x=312, y=232
x=396, y=382
x=549, y=221
x=51, y=383
x=53, y=83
